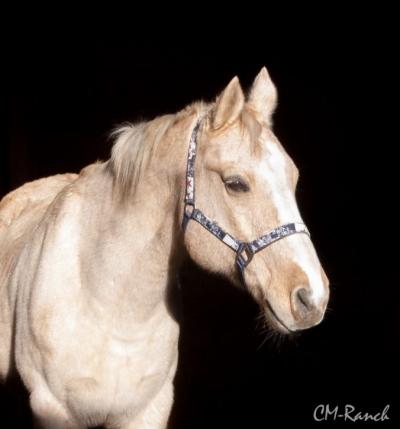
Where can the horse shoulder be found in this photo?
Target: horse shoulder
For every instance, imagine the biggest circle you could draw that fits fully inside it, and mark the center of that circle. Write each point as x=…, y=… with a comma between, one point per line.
x=20, y=212
x=47, y=262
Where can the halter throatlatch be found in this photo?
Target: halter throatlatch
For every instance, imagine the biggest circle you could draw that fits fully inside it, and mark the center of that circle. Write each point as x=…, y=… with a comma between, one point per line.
x=244, y=250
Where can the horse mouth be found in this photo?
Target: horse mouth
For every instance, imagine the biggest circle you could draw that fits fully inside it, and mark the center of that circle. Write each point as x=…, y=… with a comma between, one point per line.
x=274, y=320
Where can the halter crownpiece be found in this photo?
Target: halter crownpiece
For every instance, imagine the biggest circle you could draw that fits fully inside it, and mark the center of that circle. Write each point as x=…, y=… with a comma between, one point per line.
x=244, y=250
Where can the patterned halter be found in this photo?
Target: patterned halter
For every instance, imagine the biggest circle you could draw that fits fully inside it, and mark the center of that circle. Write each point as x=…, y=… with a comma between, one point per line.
x=244, y=250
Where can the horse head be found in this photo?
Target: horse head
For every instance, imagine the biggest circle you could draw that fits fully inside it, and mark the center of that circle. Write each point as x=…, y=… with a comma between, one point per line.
x=245, y=184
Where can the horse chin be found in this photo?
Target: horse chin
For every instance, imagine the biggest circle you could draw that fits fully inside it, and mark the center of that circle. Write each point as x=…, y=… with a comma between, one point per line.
x=274, y=321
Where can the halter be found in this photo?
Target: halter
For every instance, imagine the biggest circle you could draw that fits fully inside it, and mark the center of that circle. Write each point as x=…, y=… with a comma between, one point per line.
x=244, y=250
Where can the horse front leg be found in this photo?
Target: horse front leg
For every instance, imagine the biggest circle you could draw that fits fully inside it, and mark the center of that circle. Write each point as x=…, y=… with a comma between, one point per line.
x=48, y=412
x=157, y=412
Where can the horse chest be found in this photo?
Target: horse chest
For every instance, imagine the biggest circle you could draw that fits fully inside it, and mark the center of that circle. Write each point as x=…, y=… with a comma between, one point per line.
x=113, y=376
x=117, y=385
x=101, y=366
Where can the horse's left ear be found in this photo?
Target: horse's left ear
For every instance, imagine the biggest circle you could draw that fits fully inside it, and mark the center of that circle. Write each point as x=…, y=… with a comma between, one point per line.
x=228, y=106
x=263, y=96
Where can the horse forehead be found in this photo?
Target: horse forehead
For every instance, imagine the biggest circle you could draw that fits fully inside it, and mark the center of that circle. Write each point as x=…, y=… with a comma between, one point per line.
x=266, y=154
x=273, y=158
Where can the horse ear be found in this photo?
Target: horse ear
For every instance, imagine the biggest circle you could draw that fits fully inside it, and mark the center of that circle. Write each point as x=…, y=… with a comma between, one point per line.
x=263, y=96
x=228, y=106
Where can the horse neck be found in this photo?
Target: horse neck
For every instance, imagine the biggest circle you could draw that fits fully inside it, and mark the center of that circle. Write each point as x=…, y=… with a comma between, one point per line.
x=134, y=245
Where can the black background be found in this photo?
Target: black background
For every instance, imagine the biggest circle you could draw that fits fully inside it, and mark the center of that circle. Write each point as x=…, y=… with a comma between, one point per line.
x=336, y=85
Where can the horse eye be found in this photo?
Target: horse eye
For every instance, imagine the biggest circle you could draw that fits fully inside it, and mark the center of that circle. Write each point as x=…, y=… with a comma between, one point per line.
x=236, y=186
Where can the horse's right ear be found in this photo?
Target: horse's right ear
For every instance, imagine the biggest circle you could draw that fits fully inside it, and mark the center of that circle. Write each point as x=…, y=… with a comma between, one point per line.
x=263, y=97
x=228, y=105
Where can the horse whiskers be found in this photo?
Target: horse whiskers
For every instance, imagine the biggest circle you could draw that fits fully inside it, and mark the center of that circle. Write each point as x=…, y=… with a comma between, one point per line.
x=268, y=332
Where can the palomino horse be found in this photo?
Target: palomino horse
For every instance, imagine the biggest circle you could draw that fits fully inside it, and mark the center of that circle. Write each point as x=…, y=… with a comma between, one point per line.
x=89, y=262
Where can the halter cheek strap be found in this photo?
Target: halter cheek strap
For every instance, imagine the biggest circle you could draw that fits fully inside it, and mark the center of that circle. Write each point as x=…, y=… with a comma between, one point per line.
x=244, y=250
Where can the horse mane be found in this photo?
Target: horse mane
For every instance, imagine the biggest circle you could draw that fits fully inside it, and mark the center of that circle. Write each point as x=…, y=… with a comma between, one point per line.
x=134, y=145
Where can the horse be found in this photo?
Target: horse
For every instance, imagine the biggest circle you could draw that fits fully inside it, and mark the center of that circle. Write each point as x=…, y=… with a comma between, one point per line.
x=89, y=261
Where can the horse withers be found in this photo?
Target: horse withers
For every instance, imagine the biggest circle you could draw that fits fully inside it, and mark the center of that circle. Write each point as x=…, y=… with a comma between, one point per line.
x=88, y=262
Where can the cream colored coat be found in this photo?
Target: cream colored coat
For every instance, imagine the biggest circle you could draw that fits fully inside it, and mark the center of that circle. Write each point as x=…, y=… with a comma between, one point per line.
x=88, y=262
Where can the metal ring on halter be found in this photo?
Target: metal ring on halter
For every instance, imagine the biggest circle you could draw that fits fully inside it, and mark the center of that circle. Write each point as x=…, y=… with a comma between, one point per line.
x=244, y=248
x=187, y=215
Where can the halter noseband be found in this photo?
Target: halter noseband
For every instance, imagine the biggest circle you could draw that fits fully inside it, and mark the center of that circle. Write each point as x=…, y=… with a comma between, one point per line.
x=244, y=250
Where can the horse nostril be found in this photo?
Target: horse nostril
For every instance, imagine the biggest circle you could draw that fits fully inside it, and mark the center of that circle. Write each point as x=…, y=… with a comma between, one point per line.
x=304, y=297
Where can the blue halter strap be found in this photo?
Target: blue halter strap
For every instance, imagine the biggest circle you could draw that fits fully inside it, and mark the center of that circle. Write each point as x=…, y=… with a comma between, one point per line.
x=244, y=250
